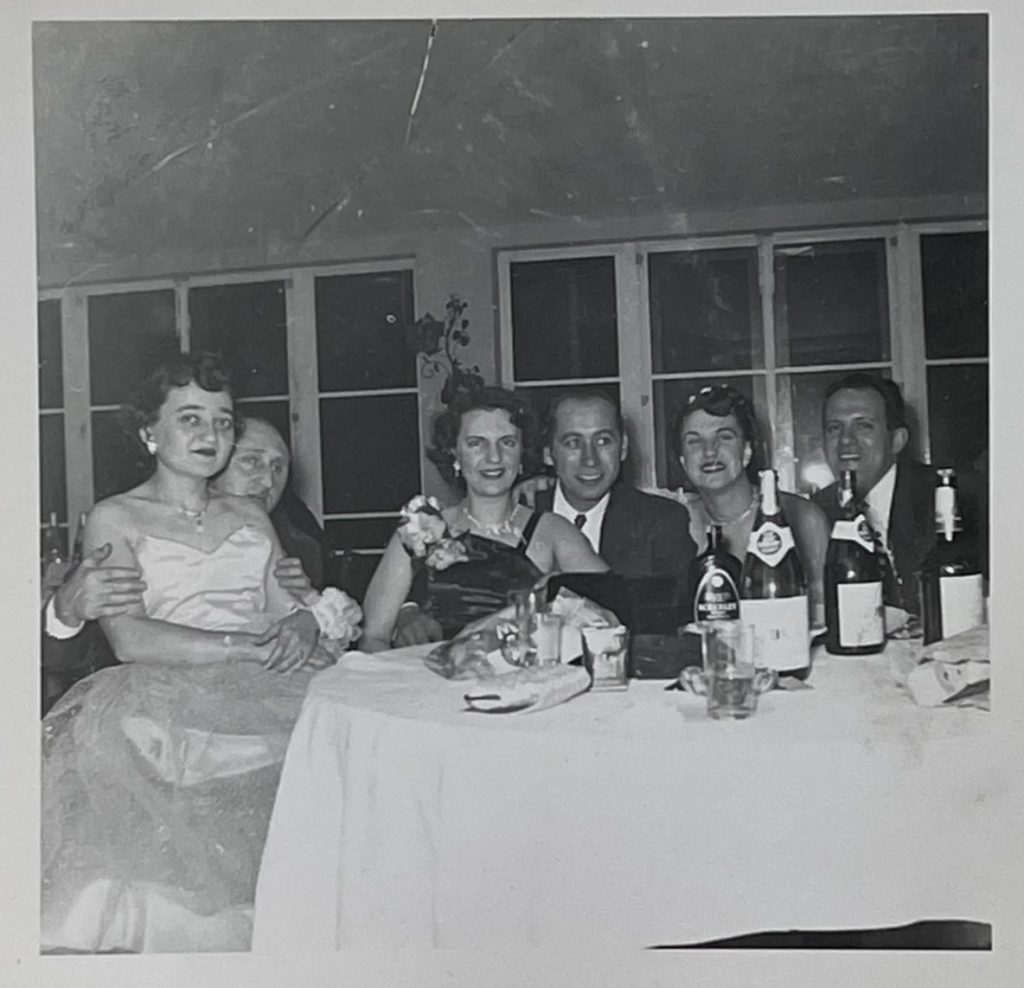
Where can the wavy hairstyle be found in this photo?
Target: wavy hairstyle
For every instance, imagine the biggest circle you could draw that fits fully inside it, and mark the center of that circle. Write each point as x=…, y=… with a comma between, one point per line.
x=721, y=400
x=205, y=369
x=446, y=426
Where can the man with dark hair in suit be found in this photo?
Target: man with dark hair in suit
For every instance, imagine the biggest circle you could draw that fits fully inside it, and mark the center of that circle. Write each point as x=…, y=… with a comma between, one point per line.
x=636, y=534
x=865, y=429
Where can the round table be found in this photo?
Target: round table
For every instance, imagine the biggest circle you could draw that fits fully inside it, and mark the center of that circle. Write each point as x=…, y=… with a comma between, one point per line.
x=622, y=818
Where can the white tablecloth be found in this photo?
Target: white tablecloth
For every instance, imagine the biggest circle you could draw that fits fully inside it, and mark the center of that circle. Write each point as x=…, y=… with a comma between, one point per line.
x=622, y=819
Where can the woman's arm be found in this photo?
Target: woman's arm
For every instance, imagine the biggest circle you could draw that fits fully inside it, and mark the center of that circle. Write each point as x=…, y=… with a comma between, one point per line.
x=384, y=596
x=133, y=636
x=811, y=532
x=570, y=550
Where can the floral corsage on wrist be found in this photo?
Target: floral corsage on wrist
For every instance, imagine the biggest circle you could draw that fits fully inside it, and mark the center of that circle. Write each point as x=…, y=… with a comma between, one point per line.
x=426, y=536
x=338, y=616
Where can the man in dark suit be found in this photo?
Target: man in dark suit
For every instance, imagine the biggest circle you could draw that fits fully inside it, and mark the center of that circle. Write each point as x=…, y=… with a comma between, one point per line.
x=865, y=430
x=636, y=534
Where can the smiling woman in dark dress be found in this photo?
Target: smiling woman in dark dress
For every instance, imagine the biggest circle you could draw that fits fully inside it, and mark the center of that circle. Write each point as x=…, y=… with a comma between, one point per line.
x=496, y=545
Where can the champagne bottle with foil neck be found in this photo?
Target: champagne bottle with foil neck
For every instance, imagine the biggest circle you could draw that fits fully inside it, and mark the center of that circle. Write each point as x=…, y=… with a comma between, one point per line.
x=952, y=599
x=854, y=611
x=715, y=577
x=773, y=589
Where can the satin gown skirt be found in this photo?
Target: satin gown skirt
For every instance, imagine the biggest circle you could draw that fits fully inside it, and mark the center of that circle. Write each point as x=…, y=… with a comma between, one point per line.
x=158, y=784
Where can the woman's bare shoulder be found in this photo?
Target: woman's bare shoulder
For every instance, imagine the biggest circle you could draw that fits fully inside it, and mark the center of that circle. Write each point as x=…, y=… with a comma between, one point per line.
x=802, y=510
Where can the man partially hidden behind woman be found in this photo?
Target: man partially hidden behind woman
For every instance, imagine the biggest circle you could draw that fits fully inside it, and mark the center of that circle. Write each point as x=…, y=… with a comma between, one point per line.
x=461, y=562
x=159, y=774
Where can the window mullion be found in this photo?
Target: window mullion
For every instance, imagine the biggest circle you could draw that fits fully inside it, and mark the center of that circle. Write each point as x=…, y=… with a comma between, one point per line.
x=304, y=389
x=182, y=316
x=634, y=348
x=778, y=429
x=907, y=328
x=74, y=321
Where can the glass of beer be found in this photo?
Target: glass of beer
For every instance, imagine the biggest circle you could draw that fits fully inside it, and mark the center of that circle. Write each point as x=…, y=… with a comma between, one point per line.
x=731, y=679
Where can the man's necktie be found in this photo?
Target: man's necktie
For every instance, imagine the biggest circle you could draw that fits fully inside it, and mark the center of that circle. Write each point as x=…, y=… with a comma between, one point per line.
x=579, y=521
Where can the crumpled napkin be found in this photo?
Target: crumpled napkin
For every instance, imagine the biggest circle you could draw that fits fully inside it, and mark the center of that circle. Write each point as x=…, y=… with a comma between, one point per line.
x=533, y=688
x=953, y=672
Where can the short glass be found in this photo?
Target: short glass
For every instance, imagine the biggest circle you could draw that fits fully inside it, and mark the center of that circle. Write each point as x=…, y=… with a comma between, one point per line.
x=730, y=679
x=547, y=638
x=519, y=648
x=605, y=652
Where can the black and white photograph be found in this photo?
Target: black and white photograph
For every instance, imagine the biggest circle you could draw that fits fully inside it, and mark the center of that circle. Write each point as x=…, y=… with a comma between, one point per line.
x=517, y=484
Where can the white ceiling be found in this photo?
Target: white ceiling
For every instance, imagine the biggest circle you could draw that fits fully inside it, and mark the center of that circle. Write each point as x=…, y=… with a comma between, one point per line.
x=193, y=135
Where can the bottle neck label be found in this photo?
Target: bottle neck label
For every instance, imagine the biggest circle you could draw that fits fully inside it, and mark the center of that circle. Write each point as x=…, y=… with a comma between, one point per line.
x=854, y=530
x=771, y=543
x=947, y=517
x=717, y=598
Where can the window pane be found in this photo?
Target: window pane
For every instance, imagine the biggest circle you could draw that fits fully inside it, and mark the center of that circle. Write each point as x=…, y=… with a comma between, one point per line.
x=831, y=303
x=118, y=462
x=128, y=336
x=669, y=396
x=370, y=450
x=52, y=476
x=247, y=325
x=51, y=374
x=958, y=414
x=954, y=275
x=360, y=331
x=705, y=310
x=564, y=321
x=359, y=533
x=277, y=413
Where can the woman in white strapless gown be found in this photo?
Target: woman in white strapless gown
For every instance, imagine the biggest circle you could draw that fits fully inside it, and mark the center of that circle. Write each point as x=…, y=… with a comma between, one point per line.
x=159, y=774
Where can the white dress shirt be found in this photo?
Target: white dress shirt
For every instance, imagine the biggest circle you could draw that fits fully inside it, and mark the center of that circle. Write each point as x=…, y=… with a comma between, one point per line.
x=595, y=516
x=56, y=628
x=878, y=502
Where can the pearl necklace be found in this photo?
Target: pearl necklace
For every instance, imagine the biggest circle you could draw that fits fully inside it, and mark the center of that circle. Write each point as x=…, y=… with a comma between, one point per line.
x=195, y=515
x=732, y=521
x=504, y=527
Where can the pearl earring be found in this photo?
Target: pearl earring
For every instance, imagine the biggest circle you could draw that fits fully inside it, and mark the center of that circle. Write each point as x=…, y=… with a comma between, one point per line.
x=150, y=446
x=457, y=468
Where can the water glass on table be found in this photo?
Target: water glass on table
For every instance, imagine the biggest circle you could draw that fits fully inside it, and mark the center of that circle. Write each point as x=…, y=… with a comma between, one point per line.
x=730, y=679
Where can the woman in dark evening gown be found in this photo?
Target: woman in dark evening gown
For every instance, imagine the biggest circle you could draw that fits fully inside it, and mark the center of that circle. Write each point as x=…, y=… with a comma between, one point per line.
x=461, y=562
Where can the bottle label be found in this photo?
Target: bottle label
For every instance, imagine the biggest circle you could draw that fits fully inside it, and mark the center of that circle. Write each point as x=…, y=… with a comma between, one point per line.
x=770, y=543
x=861, y=615
x=717, y=598
x=962, y=602
x=855, y=530
x=780, y=631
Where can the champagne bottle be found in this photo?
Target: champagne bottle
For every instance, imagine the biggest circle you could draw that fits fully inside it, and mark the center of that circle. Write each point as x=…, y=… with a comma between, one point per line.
x=76, y=552
x=951, y=592
x=853, y=580
x=715, y=578
x=773, y=589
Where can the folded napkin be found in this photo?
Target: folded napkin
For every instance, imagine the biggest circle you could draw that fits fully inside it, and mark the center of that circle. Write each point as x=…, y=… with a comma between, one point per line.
x=953, y=672
x=532, y=688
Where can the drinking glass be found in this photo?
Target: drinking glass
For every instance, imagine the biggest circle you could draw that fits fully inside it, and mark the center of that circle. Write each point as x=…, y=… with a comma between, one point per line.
x=605, y=651
x=730, y=679
x=547, y=638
